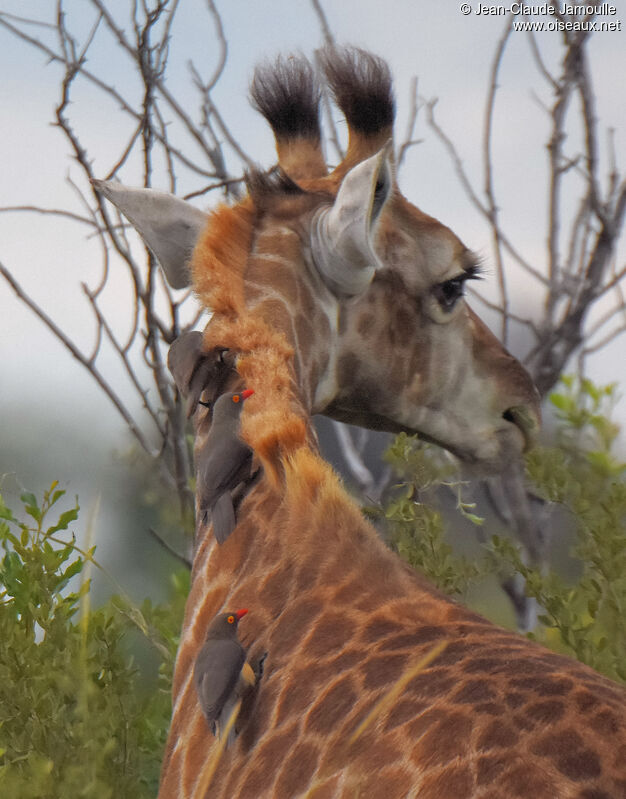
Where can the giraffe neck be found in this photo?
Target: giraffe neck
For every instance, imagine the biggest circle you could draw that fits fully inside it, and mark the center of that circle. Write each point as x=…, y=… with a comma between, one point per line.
x=341, y=621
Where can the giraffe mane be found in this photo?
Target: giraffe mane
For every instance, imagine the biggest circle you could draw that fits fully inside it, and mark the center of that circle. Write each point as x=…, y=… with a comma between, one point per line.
x=275, y=182
x=273, y=424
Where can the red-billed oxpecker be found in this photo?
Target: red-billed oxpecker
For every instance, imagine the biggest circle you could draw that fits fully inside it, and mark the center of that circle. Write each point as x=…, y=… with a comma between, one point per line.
x=223, y=463
x=222, y=673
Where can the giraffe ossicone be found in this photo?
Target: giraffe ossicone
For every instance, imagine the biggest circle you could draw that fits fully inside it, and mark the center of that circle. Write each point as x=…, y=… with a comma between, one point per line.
x=341, y=617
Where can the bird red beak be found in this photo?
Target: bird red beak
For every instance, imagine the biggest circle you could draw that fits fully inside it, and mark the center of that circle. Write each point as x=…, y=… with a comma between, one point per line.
x=248, y=392
x=241, y=613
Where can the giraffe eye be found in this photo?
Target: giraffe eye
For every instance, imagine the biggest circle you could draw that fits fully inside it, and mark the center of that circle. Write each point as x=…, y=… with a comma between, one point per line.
x=449, y=292
x=231, y=619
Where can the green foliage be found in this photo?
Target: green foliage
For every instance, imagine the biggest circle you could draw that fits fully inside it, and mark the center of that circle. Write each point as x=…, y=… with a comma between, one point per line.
x=77, y=717
x=417, y=527
x=583, y=475
x=585, y=617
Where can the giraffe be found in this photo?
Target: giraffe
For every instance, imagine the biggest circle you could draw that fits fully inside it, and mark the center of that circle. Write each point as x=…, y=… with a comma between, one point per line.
x=336, y=295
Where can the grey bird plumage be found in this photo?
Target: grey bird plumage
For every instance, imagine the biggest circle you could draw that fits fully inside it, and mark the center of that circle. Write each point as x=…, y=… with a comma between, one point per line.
x=223, y=461
x=222, y=465
x=221, y=672
x=197, y=371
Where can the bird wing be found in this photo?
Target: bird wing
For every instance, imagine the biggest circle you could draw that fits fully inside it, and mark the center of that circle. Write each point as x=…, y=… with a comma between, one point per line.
x=223, y=517
x=223, y=462
x=216, y=672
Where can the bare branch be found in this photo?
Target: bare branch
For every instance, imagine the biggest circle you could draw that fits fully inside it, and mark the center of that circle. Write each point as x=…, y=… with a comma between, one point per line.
x=329, y=39
x=467, y=186
x=50, y=211
x=408, y=140
x=186, y=560
x=492, y=207
x=80, y=357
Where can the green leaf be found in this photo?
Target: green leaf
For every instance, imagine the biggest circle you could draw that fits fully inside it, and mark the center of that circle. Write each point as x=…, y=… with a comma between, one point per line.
x=65, y=519
x=29, y=499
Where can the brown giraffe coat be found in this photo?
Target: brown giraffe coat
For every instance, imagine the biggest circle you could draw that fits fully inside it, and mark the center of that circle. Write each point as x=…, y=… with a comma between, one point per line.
x=340, y=617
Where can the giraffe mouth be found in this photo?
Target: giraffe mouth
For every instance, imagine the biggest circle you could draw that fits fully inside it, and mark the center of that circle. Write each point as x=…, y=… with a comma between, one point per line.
x=525, y=421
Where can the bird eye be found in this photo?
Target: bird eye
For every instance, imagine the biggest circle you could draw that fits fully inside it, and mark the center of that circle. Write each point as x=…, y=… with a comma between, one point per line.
x=231, y=619
x=236, y=397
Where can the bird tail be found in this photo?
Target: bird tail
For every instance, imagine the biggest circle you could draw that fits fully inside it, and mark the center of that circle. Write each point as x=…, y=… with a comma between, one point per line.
x=224, y=736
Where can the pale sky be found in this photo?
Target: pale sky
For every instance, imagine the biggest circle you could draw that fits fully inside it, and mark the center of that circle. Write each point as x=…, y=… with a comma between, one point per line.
x=47, y=393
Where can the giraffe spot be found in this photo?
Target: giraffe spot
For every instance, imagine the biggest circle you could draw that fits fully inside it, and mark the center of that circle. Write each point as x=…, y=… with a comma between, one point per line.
x=580, y=765
x=432, y=683
x=452, y=782
x=326, y=790
x=620, y=758
x=594, y=793
x=453, y=653
x=313, y=678
x=469, y=623
x=403, y=641
x=481, y=665
x=549, y=711
x=365, y=325
x=605, y=722
x=345, y=661
x=306, y=578
x=474, y=691
x=370, y=601
x=271, y=751
x=347, y=592
x=380, y=784
x=497, y=735
x=524, y=723
x=276, y=589
x=297, y=619
x=585, y=701
x=514, y=700
x=378, y=628
x=544, y=686
x=382, y=671
x=530, y=666
x=347, y=368
x=297, y=771
x=556, y=744
x=488, y=767
x=329, y=636
x=329, y=710
x=373, y=753
x=423, y=723
x=523, y=781
x=441, y=742
x=297, y=698
x=489, y=709
x=402, y=712
x=554, y=687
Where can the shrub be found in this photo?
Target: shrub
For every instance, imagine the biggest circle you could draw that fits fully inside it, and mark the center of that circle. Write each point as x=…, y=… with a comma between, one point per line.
x=586, y=616
x=77, y=717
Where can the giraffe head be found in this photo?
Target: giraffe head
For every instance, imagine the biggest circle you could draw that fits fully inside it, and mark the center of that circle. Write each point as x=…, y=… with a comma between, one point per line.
x=365, y=289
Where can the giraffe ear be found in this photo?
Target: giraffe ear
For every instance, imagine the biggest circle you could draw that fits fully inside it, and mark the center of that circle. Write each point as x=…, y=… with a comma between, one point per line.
x=342, y=236
x=169, y=226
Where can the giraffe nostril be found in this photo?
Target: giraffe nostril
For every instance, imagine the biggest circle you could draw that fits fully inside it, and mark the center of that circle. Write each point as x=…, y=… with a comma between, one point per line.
x=526, y=420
